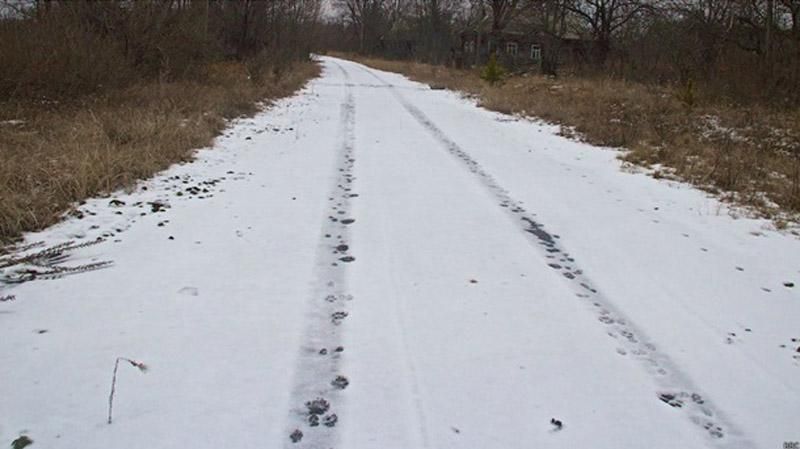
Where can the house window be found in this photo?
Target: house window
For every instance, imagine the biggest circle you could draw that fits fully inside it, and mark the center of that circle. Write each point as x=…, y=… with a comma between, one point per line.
x=536, y=52
x=511, y=48
x=469, y=47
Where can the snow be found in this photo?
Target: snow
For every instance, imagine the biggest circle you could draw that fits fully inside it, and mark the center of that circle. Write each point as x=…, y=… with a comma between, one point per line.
x=490, y=276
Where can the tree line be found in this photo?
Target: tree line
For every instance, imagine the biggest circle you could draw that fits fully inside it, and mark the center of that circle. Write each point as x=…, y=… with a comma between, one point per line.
x=742, y=49
x=73, y=47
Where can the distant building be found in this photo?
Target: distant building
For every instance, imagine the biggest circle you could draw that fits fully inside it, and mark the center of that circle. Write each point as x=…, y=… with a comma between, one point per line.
x=519, y=50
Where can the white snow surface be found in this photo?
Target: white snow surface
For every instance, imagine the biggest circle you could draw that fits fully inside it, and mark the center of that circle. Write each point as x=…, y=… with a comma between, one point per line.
x=503, y=277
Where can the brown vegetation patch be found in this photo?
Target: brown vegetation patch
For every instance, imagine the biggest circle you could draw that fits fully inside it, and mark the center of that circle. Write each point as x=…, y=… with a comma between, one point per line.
x=56, y=153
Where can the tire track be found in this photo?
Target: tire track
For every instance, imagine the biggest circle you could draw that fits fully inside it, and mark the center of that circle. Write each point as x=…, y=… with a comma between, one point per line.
x=420, y=434
x=317, y=393
x=675, y=387
x=410, y=375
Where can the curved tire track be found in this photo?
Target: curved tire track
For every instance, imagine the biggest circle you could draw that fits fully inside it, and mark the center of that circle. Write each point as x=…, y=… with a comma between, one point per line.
x=675, y=387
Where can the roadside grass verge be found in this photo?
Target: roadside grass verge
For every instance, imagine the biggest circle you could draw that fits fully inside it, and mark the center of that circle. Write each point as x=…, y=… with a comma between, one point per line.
x=56, y=154
x=748, y=155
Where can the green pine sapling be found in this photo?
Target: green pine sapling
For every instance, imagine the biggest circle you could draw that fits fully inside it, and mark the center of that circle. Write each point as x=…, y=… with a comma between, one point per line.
x=493, y=72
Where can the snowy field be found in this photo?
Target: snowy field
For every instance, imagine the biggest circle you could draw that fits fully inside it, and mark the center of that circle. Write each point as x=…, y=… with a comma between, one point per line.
x=375, y=264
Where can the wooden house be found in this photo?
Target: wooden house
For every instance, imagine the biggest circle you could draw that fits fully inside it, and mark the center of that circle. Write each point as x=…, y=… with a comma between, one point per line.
x=518, y=50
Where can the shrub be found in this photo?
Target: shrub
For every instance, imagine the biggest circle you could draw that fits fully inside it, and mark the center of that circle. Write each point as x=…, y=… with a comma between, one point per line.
x=493, y=72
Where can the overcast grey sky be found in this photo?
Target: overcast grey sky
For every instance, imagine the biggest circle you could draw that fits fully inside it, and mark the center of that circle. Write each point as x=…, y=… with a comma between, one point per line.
x=327, y=8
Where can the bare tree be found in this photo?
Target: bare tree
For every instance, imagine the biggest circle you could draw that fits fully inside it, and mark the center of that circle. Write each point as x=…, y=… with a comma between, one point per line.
x=503, y=11
x=115, y=43
x=793, y=13
x=604, y=18
x=432, y=21
x=363, y=15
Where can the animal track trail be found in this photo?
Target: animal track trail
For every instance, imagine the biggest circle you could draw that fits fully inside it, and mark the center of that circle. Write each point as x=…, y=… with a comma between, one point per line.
x=319, y=385
x=679, y=390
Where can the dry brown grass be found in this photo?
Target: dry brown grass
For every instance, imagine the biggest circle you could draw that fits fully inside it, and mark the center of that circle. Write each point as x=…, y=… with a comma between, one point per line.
x=63, y=153
x=750, y=155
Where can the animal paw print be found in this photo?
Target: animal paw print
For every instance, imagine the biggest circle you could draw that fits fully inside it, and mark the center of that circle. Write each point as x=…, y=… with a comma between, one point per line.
x=330, y=420
x=338, y=317
x=671, y=399
x=713, y=429
x=340, y=382
x=318, y=406
x=629, y=335
x=678, y=400
x=697, y=399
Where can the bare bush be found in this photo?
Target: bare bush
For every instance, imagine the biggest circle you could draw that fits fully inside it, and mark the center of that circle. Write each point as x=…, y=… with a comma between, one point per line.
x=65, y=48
x=95, y=95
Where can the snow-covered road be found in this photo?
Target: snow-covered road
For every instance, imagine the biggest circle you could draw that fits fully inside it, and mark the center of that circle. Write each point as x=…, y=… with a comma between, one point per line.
x=375, y=264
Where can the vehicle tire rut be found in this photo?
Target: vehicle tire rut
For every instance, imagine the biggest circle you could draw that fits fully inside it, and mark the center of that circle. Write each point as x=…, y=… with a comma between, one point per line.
x=674, y=387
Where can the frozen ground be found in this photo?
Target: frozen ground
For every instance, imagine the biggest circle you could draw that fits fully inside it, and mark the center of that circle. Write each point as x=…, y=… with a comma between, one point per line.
x=374, y=264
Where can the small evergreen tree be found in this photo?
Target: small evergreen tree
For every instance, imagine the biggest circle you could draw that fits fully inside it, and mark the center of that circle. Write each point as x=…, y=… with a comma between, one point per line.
x=493, y=72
